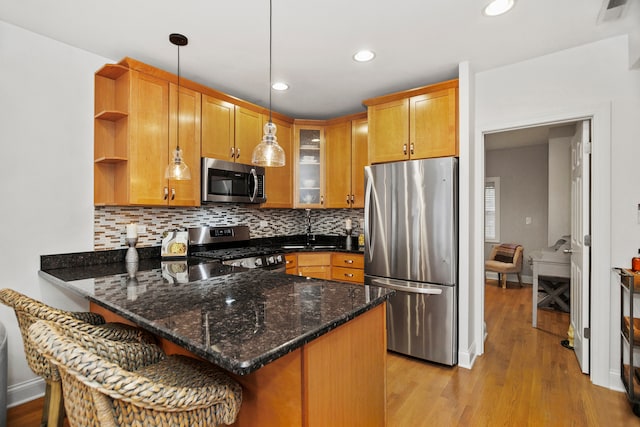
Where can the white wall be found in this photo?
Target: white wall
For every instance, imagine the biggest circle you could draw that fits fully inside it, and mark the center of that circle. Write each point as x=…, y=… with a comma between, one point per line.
x=591, y=78
x=46, y=188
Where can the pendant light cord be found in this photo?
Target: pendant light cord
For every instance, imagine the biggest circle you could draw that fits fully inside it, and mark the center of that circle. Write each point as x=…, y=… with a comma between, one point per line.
x=270, y=54
x=178, y=109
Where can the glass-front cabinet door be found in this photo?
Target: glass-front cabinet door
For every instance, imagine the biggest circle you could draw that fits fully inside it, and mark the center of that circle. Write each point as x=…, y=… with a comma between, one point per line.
x=309, y=182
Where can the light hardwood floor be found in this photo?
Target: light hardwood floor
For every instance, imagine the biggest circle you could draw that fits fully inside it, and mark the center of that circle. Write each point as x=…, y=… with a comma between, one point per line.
x=525, y=378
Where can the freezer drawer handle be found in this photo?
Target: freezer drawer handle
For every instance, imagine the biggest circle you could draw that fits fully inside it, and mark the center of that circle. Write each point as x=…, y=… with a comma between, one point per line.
x=388, y=284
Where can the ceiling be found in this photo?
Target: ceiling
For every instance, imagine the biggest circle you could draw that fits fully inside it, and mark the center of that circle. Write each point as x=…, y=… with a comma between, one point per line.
x=417, y=42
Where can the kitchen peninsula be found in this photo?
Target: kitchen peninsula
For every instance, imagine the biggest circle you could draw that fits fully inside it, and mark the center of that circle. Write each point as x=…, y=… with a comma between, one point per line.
x=307, y=352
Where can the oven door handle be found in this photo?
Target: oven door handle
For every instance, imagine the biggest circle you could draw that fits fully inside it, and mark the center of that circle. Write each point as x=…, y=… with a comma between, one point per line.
x=254, y=175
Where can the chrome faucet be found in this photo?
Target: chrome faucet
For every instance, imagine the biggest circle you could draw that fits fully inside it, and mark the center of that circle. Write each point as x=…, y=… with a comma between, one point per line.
x=310, y=237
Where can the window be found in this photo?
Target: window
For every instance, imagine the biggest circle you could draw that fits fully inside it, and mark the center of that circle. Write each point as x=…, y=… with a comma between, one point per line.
x=492, y=209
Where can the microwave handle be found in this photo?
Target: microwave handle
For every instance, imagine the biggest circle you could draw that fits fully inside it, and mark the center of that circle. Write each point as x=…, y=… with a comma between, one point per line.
x=255, y=184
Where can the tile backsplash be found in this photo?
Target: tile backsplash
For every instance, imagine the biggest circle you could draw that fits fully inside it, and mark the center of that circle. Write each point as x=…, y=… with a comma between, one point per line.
x=110, y=221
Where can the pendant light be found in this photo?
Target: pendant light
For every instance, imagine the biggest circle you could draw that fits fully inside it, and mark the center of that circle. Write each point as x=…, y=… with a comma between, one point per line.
x=268, y=152
x=178, y=169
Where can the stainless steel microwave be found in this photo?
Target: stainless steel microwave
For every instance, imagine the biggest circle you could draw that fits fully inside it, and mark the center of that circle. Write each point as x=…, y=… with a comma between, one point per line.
x=224, y=181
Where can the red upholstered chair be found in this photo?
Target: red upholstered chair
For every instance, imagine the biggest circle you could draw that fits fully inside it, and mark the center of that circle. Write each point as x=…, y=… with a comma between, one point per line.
x=505, y=258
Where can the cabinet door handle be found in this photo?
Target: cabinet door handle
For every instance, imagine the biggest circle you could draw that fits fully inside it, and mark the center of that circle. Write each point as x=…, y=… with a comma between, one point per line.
x=233, y=152
x=322, y=200
x=348, y=274
x=348, y=261
x=353, y=199
x=166, y=193
x=347, y=199
x=173, y=194
x=404, y=148
x=237, y=153
x=411, y=148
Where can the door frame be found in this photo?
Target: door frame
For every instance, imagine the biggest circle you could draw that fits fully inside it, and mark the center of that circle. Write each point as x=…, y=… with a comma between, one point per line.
x=603, y=372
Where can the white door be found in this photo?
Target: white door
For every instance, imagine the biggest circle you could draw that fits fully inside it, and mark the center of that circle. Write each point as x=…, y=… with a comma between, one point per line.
x=580, y=246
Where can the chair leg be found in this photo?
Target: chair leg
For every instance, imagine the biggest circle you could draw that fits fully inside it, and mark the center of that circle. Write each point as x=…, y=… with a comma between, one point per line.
x=504, y=280
x=45, y=408
x=519, y=279
x=56, y=405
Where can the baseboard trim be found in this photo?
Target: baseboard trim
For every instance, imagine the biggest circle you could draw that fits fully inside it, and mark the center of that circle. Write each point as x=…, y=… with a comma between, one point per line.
x=494, y=276
x=467, y=358
x=26, y=391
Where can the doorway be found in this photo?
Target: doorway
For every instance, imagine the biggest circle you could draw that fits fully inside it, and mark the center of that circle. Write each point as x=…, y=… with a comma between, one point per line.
x=539, y=206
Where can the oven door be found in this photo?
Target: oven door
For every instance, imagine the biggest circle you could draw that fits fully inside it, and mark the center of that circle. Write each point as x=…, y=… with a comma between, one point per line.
x=232, y=182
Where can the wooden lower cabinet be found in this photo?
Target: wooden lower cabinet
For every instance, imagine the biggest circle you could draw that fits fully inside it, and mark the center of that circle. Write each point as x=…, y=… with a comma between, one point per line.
x=291, y=262
x=316, y=265
x=346, y=267
x=339, y=266
x=338, y=379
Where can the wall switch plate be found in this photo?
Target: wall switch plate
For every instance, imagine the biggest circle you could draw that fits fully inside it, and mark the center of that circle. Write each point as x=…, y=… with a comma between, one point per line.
x=527, y=220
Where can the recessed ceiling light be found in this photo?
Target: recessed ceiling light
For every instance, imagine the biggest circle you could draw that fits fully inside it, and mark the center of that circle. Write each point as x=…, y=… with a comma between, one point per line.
x=498, y=7
x=280, y=86
x=364, y=56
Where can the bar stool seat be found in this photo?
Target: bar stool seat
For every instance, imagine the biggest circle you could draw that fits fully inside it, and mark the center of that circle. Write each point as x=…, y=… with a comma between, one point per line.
x=28, y=311
x=111, y=383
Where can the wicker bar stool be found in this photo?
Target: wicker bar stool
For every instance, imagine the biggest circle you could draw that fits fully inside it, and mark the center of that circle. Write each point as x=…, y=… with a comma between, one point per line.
x=28, y=311
x=115, y=383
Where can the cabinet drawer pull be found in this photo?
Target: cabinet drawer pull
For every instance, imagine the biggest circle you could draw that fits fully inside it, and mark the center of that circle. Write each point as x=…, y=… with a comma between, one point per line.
x=232, y=152
x=348, y=261
x=166, y=193
x=287, y=262
x=412, y=147
x=404, y=148
x=348, y=274
x=173, y=194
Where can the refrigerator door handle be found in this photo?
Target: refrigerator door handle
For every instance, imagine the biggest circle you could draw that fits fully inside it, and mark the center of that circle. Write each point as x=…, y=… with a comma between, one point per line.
x=410, y=289
x=368, y=221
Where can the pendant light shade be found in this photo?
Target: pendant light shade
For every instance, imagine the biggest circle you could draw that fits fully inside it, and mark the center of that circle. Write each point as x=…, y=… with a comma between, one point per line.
x=269, y=153
x=177, y=169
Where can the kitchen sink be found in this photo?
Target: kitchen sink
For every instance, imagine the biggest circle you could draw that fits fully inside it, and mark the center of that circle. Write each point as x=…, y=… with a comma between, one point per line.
x=312, y=247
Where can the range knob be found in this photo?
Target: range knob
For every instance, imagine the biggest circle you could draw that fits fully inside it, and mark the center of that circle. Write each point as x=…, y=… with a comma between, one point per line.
x=258, y=262
x=271, y=260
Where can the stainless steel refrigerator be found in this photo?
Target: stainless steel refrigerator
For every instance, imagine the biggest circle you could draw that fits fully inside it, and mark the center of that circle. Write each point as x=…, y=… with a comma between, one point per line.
x=411, y=245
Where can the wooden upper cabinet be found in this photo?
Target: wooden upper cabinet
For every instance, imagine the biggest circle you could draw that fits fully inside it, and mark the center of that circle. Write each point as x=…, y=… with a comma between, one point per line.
x=338, y=165
x=346, y=156
x=145, y=140
x=248, y=133
x=359, y=159
x=433, y=124
x=389, y=131
x=148, y=145
x=218, y=128
x=415, y=124
x=279, y=181
x=187, y=192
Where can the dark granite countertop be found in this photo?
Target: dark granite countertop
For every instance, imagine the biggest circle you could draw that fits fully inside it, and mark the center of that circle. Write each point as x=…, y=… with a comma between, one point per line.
x=240, y=320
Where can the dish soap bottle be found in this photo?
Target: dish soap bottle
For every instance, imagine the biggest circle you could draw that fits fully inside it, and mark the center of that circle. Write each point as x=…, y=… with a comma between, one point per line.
x=635, y=262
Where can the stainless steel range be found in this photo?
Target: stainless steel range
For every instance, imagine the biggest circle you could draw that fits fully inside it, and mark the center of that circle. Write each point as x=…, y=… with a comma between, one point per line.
x=229, y=245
